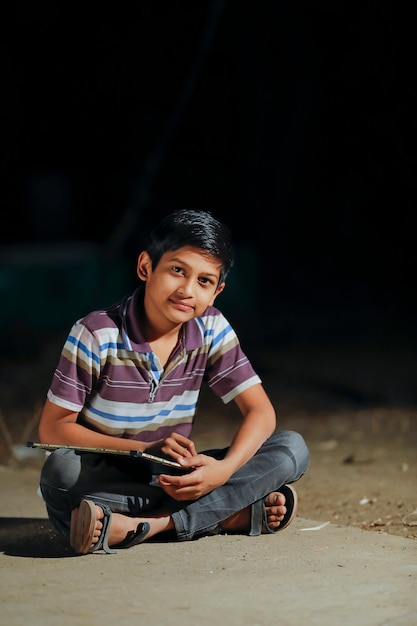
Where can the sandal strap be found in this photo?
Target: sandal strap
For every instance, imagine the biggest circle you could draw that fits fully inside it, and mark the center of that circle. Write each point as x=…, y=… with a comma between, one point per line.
x=103, y=542
x=134, y=537
x=257, y=511
x=258, y=523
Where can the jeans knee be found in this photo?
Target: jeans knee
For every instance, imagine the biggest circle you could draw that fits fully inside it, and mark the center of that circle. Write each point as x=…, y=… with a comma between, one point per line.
x=299, y=450
x=292, y=446
x=297, y=441
x=61, y=469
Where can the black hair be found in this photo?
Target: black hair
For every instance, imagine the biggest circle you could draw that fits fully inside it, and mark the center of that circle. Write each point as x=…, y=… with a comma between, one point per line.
x=189, y=227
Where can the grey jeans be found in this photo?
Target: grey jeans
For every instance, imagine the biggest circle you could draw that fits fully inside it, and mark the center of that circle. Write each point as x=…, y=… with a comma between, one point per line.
x=126, y=485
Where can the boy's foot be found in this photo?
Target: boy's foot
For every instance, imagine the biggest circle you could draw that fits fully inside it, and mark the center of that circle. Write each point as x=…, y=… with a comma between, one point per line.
x=275, y=511
x=121, y=526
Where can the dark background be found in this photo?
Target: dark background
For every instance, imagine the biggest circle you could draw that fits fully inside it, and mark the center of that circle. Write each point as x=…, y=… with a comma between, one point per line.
x=293, y=122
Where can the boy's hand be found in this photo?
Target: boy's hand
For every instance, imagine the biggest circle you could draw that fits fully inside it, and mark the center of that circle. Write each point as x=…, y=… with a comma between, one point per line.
x=208, y=474
x=175, y=446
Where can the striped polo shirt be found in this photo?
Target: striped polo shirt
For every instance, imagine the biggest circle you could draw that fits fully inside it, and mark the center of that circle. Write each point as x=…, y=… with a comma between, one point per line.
x=108, y=373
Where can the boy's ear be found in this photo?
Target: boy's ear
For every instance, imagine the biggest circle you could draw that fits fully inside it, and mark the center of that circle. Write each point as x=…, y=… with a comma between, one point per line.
x=144, y=266
x=218, y=290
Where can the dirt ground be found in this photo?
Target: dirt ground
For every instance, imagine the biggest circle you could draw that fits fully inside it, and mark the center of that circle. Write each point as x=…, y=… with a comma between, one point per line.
x=320, y=574
x=356, y=408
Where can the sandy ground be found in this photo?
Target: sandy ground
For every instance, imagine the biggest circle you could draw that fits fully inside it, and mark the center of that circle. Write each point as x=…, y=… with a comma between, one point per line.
x=311, y=573
x=350, y=557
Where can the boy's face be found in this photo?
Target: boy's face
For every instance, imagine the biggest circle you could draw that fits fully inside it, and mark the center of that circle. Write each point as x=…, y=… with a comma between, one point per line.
x=181, y=286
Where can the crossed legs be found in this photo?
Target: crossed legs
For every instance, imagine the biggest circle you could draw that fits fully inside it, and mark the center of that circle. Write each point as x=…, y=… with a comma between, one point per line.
x=123, y=525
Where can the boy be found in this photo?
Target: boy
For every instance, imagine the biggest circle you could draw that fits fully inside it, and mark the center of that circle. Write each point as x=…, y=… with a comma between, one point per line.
x=129, y=378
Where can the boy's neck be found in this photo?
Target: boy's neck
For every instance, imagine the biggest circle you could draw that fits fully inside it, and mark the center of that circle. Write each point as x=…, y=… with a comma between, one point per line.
x=165, y=345
x=153, y=334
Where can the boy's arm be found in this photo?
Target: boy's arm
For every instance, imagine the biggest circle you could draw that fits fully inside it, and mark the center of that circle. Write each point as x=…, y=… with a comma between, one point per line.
x=258, y=423
x=59, y=426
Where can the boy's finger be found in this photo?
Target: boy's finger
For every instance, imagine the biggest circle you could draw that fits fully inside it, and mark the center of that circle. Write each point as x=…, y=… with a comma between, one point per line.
x=171, y=481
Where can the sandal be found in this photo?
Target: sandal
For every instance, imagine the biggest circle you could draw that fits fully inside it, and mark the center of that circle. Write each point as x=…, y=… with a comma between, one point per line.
x=258, y=514
x=134, y=537
x=83, y=522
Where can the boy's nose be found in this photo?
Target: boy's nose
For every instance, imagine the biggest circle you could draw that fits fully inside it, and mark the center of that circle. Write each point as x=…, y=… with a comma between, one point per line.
x=185, y=289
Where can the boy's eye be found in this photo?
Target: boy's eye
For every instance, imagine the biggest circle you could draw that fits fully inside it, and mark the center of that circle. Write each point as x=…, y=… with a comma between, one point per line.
x=207, y=282
x=203, y=280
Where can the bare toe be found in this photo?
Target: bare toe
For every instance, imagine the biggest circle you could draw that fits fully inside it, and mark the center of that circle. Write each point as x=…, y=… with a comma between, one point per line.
x=281, y=507
x=275, y=509
x=274, y=498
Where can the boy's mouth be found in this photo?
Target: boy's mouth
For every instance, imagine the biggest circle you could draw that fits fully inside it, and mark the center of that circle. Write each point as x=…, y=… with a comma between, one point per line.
x=182, y=305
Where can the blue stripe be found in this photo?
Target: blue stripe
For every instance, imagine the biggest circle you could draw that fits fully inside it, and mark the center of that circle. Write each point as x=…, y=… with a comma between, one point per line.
x=138, y=418
x=200, y=324
x=104, y=346
x=127, y=340
x=83, y=348
x=221, y=335
x=111, y=344
x=154, y=368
